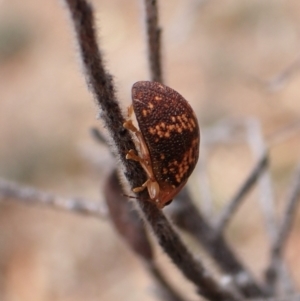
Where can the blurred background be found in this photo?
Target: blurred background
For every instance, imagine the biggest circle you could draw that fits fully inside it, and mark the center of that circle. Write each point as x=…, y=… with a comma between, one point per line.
x=223, y=56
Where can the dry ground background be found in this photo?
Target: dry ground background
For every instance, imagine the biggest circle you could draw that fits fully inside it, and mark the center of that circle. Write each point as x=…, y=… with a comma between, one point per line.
x=212, y=51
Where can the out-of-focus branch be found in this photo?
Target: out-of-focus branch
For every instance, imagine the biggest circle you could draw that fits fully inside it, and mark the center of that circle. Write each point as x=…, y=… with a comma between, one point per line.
x=101, y=85
x=266, y=195
x=258, y=146
x=275, y=266
x=295, y=297
x=98, y=136
x=27, y=195
x=243, y=190
x=207, y=207
x=284, y=133
x=153, y=39
x=278, y=81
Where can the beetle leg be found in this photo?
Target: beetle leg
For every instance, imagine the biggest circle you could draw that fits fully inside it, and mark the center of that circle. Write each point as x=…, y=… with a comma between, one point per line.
x=141, y=143
x=143, y=158
x=131, y=155
x=153, y=189
x=129, y=126
x=141, y=188
x=130, y=110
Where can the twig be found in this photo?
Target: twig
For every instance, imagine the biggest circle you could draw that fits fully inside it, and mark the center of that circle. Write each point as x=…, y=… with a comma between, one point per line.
x=267, y=204
x=98, y=136
x=294, y=297
x=101, y=85
x=187, y=217
x=153, y=39
x=278, y=81
x=284, y=133
x=28, y=195
x=285, y=227
x=266, y=198
x=243, y=190
x=207, y=207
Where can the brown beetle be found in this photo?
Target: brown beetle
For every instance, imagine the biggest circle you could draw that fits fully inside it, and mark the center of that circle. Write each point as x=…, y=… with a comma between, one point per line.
x=167, y=142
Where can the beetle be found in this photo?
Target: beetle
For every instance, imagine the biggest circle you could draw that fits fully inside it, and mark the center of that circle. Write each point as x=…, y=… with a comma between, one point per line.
x=167, y=140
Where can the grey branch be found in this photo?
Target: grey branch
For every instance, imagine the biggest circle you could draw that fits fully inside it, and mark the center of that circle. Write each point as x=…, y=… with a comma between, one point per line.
x=294, y=297
x=289, y=213
x=243, y=190
x=266, y=194
x=276, y=266
x=27, y=195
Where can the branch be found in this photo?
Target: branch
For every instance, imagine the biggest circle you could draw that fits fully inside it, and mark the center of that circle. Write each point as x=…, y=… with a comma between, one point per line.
x=295, y=297
x=284, y=230
x=207, y=207
x=98, y=136
x=28, y=195
x=278, y=81
x=153, y=39
x=282, y=134
x=266, y=194
x=187, y=217
x=243, y=190
x=101, y=85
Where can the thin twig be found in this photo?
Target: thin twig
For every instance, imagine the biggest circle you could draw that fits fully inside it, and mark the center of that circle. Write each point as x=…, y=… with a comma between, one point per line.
x=243, y=190
x=266, y=195
x=258, y=146
x=101, y=85
x=28, y=195
x=98, y=136
x=294, y=297
x=153, y=39
x=284, y=230
x=278, y=81
x=207, y=206
x=284, y=133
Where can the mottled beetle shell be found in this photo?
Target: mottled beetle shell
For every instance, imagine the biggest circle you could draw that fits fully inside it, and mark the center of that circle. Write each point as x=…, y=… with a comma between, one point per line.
x=170, y=130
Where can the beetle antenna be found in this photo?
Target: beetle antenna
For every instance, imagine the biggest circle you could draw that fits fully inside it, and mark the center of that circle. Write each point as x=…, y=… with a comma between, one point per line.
x=130, y=196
